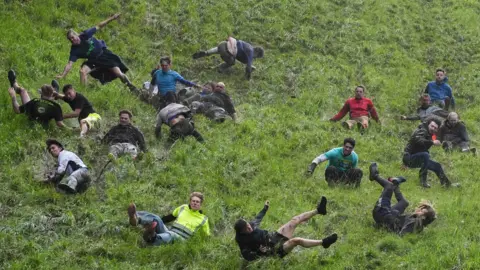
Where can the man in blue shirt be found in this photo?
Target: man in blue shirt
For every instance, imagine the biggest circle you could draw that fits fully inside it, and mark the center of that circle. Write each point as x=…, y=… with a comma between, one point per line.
x=342, y=165
x=439, y=90
x=166, y=80
x=231, y=50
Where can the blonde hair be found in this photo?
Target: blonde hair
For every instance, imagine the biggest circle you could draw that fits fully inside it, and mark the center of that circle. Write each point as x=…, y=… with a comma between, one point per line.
x=46, y=90
x=427, y=218
x=197, y=194
x=71, y=32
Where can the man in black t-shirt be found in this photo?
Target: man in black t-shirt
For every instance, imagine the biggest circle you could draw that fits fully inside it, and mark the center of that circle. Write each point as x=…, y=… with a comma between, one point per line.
x=41, y=110
x=82, y=108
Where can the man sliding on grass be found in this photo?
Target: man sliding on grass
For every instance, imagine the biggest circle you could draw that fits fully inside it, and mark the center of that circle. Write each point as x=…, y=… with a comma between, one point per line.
x=101, y=63
x=255, y=242
x=393, y=217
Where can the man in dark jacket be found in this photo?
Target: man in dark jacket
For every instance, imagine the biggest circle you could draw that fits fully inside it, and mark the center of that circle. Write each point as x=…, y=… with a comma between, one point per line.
x=453, y=134
x=231, y=50
x=427, y=110
x=124, y=138
x=255, y=242
x=179, y=118
x=416, y=153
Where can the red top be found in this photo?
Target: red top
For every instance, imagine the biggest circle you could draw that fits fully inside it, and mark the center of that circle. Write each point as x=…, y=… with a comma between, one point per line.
x=357, y=108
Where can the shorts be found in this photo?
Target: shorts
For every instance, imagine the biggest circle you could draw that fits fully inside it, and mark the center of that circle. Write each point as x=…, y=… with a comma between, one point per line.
x=92, y=120
x=278, y=240
x=119, y=149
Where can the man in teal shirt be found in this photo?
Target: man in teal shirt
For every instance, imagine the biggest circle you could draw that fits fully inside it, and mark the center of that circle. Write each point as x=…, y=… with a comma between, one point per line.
x=342, y=165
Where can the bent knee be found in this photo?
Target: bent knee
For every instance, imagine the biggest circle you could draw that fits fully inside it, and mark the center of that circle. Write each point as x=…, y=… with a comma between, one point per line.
x=296, y=241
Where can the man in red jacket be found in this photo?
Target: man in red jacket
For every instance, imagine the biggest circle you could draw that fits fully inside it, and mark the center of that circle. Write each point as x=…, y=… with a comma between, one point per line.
x=360, y=108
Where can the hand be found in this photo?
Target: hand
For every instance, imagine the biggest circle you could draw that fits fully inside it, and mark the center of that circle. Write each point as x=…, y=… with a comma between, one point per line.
x=403, y=117
x=311, y=169
x=115, y=16
x=437, y=142
x=267, y=204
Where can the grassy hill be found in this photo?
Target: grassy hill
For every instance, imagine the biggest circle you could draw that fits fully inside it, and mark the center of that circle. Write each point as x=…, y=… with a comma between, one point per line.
x=315, y=50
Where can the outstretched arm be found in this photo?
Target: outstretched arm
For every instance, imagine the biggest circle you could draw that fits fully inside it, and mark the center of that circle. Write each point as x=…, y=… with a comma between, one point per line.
x=261, y=214
x=67, y=69
x=109, y=19
x=341, y=113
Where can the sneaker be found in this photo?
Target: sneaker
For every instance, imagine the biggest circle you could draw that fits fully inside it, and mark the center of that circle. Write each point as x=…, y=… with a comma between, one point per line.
x=149, y=233
x=55, y=85
x=199, y=54
x=373, y=171
x=397, y=180
x=12, y=77
x=329, y=240
x=322, y=206
x=132, y=214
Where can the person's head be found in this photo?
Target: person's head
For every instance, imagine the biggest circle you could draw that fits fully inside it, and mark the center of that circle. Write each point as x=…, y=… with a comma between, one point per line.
x=69, y=92
x=46, y=91
x=348, y=145
x=182, y=128
x=125, y=117
x=165, y=63
x=432, y=125
x=258, y=52
x=242, y=226
x=425, y=100
x=359, y=91
x=219, y=87
x=424, y=215
x=73, y=37
x=54, y=147
x=452, y=119
x=196, y=200
x=439, y=75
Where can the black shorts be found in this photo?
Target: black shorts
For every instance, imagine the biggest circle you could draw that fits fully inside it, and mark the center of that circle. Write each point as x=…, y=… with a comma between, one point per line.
x=102, y=64
x=278, y=240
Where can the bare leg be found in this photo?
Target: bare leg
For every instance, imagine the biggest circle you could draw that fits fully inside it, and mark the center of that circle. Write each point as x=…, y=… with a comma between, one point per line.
x=83, y=127
x=84, y=71
x=297, y=241
x=288, y=229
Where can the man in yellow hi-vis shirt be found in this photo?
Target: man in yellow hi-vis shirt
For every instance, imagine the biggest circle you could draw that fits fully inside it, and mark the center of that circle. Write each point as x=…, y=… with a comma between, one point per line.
x=188, y=220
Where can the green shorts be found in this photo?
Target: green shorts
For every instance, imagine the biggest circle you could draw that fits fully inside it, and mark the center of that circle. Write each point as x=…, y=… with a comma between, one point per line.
x=92, y=120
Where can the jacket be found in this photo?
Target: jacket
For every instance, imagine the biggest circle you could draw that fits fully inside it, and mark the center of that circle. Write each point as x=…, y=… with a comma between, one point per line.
x=420, y=141
x=125, y=134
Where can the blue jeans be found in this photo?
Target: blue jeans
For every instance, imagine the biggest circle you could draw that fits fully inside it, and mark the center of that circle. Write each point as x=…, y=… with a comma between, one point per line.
x=164, y=236
x=422, y=160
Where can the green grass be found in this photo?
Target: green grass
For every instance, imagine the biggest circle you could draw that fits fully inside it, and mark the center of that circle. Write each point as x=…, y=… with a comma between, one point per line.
x=317, y=50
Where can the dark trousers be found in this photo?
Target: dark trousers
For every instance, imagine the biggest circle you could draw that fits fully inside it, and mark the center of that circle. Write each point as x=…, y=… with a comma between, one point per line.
x=384, y=213
x=422, y=160
x=333, y=176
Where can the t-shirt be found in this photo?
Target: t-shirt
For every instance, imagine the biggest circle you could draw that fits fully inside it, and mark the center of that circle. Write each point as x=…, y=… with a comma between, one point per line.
x=89, y=46
x=337, y=159
x=81, y=102
x=167, y=81
x=42, y=110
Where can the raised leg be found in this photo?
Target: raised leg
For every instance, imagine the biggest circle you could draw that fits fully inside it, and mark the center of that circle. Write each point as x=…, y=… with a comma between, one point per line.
x=288, y=229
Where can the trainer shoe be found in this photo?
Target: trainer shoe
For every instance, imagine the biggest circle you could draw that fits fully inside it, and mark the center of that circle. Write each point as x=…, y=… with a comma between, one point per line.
x=12, y=77
x=132, y=214
x=329, y=240
x=397, y=180
x=322, y=206
x=473, y=151
x=55, y=85
x=373, y=171
x=199, y=54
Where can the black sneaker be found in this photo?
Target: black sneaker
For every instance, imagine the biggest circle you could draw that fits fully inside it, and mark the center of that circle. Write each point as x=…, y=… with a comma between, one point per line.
x=12, y=77
x=199, y=54
x=397, y=180
x=373, y=171
x=55, y=85
x=329, y=240
x=322, y=206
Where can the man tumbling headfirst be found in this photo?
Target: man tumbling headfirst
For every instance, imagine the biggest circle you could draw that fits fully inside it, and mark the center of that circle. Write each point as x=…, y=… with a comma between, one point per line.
x=234, y=49
x=255, y=242
x=101, y=63
x=393, y=217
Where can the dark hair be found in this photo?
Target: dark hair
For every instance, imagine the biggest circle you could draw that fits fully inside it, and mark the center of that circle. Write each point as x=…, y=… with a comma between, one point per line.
x=240, y=225
x=350, y=141
x=182, y=128
x=361, y=86
x=125, y=112
x=258, y=52
x=166, y=59
x=424, y=96
x=432, y=119
x=67, y=87
x=439, y=69
x=51, y=142
x=47, y=90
